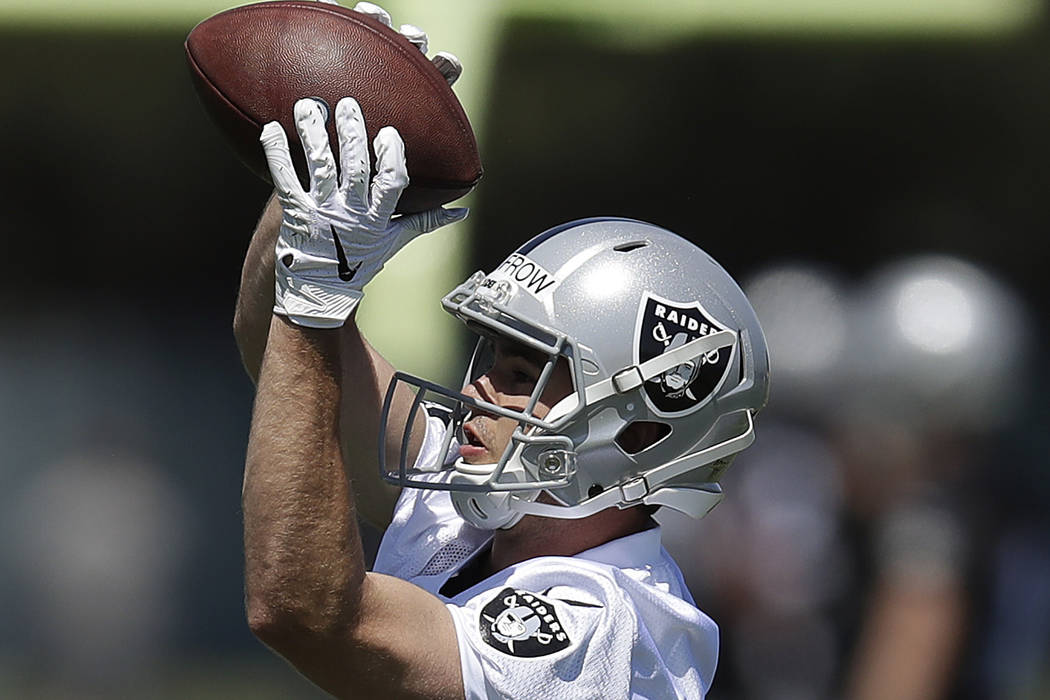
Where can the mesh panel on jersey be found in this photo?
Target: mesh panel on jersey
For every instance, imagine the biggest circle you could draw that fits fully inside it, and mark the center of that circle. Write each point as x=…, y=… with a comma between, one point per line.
x=445, y=558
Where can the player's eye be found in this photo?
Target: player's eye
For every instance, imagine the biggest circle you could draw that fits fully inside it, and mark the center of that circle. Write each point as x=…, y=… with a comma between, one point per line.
x=523, y=370
x=523, y=377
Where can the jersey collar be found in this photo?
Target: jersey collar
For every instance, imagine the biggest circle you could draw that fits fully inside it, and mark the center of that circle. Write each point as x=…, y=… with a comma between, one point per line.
x=630, y=552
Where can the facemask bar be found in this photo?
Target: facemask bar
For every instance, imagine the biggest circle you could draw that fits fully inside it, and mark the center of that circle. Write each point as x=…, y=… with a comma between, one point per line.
x=479, y=306
x=458, y=415
x=483, y=309
x=474, y=372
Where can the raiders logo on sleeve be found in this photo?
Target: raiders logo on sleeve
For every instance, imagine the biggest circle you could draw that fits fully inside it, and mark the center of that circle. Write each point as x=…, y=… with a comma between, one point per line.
x=521, y=623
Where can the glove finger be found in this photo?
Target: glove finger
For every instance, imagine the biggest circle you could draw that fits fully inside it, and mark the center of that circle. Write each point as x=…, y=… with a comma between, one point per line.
x=416, y=35
x=427, y=221
x=391, y=173
x=310, y=121
x=279, y=158
x=353, y=153
x=448, y=65
x=404, y=237
x=415, y=225
x=375, y=12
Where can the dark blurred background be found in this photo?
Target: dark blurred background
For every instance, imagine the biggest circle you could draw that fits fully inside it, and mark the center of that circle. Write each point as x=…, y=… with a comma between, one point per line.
x=878, y=190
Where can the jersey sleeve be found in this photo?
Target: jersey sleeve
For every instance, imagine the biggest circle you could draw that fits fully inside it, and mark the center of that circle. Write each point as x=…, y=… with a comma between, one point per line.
x=571, y=630
x=431, y=457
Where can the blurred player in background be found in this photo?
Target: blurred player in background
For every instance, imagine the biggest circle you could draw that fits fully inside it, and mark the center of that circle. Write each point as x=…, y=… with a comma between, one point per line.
x=618, y=369
x=851, y=562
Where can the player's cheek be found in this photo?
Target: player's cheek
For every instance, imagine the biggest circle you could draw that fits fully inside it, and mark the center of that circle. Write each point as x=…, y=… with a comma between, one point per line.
x=504, y=429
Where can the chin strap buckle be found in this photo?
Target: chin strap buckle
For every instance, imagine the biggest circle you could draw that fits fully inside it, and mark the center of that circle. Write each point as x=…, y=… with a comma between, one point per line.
x=633, y=491
x=627, y=379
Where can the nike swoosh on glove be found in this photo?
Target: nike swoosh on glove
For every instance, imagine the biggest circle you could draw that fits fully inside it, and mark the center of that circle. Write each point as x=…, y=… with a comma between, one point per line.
x=335, y=238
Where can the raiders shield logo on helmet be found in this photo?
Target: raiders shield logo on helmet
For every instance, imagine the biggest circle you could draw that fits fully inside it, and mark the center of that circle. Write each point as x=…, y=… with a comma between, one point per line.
x=664, y=325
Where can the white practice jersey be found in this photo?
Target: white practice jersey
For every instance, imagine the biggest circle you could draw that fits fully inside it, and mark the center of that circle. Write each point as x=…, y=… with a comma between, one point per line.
x=612, y=622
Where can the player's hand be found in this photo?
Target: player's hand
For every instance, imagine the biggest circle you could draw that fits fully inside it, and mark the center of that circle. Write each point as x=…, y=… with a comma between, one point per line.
x=335, y=238
x=447, y=63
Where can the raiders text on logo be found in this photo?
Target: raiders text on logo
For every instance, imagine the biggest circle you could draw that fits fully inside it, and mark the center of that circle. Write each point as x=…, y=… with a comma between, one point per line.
x=665, y=325
x=521, y=623
x=525, y=272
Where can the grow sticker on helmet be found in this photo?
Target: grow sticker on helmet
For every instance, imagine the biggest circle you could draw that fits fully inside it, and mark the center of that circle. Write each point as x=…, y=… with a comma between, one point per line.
x=665, y=325
x=521, y=623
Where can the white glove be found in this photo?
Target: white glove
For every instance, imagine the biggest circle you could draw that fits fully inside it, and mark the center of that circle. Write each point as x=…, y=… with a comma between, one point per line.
x=446, y=63
x=335, y=238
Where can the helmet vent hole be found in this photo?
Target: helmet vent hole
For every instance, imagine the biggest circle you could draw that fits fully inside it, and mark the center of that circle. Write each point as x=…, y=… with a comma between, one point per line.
x=641, y=435
x=628, y=247
x=477, y=509
x=594, y=490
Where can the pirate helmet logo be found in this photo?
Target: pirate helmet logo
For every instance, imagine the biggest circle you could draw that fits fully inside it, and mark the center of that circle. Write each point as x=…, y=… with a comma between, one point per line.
x=517, y=624
x=665, y=325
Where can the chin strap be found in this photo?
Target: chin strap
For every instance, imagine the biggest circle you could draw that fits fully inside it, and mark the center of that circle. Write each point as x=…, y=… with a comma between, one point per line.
x=696, y=501
x=632, y=377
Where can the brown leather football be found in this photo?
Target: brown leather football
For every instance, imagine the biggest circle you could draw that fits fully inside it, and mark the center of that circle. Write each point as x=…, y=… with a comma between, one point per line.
x=250, y=65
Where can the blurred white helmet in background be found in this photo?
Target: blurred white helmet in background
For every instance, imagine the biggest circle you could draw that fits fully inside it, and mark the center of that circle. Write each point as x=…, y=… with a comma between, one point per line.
x=939, y=342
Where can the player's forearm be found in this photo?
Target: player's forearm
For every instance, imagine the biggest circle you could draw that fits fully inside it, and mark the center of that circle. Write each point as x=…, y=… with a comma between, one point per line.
x=303, y=560
x=251, y=320
x=366, y=375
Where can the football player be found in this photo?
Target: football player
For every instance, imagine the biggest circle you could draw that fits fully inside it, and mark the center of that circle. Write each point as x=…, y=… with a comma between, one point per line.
x=618, y=370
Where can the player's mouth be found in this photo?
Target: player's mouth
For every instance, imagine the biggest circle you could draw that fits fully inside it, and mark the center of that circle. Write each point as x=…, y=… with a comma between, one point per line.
x=474, y=446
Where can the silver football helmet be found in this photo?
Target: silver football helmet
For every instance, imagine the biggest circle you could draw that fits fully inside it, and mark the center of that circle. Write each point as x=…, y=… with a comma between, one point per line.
x=652, y=329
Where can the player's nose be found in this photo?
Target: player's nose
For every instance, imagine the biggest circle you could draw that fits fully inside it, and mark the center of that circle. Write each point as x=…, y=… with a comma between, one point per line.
x=480, y=388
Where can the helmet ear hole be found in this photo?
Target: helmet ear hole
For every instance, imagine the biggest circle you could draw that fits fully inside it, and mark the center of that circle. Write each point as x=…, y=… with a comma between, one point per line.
x=640, y=435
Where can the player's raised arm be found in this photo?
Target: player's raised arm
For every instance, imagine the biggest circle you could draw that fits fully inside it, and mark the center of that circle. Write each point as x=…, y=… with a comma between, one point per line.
x=308, y=594
x=333, y=241
x=364, y=369
x=251, y=317
x=366, y=372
